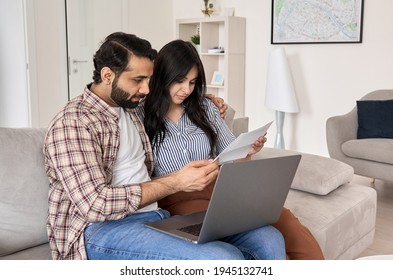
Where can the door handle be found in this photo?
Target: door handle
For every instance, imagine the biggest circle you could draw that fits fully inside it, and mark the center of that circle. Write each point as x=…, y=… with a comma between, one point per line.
x=79, y=61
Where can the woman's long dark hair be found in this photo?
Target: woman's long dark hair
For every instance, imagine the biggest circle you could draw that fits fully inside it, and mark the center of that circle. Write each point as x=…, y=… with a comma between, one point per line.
x=173, y=63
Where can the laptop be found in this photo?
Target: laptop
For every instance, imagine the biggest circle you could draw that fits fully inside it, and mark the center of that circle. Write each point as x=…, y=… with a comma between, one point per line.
x=247, y=195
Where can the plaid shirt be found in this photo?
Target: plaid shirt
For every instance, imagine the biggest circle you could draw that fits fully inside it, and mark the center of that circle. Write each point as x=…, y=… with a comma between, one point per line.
x=80, y=150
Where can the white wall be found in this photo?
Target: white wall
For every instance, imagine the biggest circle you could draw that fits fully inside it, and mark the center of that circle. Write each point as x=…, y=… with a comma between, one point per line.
x=47, y=59
x=328, y=78
x=13, y=73
x=33, y=69
x=152, y=20
x=32, y=98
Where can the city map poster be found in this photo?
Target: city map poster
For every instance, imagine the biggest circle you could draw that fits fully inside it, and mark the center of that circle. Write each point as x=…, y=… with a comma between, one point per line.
x=316, y=21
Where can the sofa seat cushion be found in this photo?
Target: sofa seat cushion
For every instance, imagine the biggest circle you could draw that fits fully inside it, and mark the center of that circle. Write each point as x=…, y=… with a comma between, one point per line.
x=315, y=174
x=40, y=252
x=24, y=190
x=374, y=149
x=337, y=220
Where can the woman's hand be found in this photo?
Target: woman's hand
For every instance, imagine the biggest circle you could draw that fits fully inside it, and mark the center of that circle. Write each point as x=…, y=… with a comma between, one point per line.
x=257, y=145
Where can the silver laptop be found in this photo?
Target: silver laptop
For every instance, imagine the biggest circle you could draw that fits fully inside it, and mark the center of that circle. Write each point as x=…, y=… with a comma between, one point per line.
x=247, y=195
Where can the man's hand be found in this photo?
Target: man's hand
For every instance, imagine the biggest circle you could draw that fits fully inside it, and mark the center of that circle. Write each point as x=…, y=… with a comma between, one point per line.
x=219, y=102
x=196, y=175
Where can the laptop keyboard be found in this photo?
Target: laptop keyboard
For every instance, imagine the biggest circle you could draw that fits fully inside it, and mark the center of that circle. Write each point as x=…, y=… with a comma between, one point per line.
x=192, y=229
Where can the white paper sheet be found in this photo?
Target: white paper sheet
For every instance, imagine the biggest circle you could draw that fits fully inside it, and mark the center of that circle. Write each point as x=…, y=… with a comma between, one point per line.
x=239, y=148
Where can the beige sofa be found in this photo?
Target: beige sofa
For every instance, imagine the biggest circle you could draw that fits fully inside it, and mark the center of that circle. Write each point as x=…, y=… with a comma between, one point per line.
x=341, y=215
x=371, y=157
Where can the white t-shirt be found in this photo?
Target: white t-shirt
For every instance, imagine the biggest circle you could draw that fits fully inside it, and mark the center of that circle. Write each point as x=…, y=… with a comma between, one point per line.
x=130, y=165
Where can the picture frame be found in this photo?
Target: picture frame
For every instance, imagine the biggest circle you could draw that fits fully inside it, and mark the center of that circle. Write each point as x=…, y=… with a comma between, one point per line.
x=217, y=79
x=302, y=22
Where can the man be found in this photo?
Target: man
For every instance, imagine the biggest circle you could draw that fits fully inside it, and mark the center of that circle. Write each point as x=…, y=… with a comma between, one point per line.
x=99, y=160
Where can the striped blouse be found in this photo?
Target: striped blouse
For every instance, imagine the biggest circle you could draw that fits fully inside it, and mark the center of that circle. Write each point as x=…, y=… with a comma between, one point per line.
x=185, y=142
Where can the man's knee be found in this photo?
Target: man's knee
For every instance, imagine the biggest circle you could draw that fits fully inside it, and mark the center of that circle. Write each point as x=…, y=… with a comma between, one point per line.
x=218, y=250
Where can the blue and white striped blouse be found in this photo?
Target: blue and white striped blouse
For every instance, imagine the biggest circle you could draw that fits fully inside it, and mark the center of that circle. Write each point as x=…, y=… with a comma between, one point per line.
x=185, y=142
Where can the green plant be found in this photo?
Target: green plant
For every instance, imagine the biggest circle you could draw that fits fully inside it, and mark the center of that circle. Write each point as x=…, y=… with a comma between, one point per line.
x=195, y=39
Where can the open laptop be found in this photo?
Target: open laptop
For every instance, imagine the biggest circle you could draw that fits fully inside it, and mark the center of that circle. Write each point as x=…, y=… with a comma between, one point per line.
x=247, y=195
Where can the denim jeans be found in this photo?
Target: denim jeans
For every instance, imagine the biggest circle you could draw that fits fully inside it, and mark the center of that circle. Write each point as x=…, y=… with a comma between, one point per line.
x=130, y=239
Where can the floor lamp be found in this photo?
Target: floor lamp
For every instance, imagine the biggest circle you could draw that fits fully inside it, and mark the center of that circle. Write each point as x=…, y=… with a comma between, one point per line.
x=280, y=92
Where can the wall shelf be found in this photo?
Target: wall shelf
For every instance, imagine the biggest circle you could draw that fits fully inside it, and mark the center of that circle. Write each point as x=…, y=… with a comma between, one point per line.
x=228, y=33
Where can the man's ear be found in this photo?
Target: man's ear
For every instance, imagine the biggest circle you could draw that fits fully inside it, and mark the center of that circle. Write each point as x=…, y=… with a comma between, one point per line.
x=107, y=75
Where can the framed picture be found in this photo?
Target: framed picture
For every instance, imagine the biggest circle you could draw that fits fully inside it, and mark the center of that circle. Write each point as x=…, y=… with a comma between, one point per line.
x=316, y=21
x=217, y=79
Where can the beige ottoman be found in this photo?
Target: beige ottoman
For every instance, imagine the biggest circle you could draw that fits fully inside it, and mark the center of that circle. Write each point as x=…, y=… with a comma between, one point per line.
x=341, y=215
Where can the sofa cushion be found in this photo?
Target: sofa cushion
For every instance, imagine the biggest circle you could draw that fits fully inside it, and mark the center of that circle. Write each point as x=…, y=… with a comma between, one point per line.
x=236, y=125
x=375, y=149
x=40, y=252
x=229, y=117
x=375, y=119
x=315, y=174
x=23, y=190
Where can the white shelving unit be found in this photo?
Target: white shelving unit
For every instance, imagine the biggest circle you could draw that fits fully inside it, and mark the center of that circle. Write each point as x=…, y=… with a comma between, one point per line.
x=229, y=33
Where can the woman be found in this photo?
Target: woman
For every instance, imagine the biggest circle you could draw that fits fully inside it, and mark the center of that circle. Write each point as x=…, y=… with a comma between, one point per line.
x=183, y=126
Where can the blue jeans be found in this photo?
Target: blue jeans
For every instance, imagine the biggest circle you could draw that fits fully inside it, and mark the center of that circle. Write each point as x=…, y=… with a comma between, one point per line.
x=130, y=239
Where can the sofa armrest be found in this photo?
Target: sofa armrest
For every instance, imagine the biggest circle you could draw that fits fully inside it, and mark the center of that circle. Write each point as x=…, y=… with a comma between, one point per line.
x=340, y=129
x=236, y=125
x=240, y=125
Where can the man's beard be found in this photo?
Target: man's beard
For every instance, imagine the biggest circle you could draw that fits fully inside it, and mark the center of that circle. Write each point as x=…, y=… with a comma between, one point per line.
x=121, y=97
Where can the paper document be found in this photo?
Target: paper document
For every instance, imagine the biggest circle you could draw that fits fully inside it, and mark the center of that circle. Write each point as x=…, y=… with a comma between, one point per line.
x=241, y=145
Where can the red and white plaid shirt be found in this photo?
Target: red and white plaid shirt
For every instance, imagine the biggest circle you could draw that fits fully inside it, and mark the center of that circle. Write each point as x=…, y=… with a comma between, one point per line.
x=80, y=150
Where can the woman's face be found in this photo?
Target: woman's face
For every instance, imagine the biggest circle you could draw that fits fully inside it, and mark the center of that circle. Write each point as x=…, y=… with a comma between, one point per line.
x=180, y=90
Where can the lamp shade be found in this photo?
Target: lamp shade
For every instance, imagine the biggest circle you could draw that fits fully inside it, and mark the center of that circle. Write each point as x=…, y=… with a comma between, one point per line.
x=280, y=92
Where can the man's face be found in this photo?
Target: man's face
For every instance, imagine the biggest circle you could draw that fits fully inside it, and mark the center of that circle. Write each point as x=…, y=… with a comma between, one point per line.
x=133, y=84
x=123, y=98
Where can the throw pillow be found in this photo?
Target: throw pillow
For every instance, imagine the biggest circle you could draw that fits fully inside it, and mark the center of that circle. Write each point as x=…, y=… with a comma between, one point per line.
x=375, y=119
x=315, y=174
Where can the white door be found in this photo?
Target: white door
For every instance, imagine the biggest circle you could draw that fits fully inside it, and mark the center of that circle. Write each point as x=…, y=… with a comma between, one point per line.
x=88, y=23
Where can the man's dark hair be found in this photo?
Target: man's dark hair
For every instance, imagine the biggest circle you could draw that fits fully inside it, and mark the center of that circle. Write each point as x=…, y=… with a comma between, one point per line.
x=116, y=51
